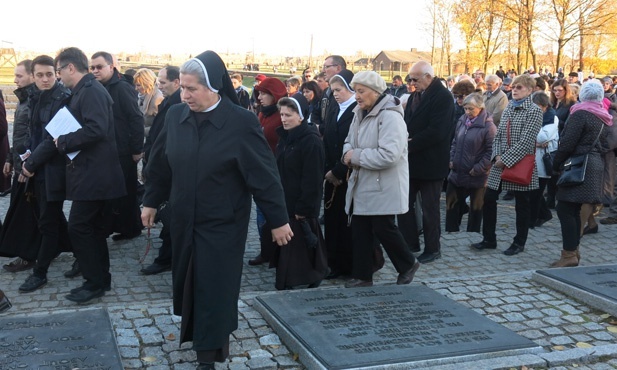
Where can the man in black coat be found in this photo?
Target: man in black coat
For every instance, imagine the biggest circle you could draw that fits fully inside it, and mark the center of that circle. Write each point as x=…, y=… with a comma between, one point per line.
x=94, y=176
x=129, y=128
x=48, y=167
x=430, y=123
x=169, y=84
x=210, y=158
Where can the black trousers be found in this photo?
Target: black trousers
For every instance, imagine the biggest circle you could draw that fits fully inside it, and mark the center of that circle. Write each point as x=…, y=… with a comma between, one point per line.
x=455, y=200
x=164, y=257
x=521, y=208
x=337, y=233
x=430, y=191
x=88, y=232
x=127, y=216
x=570, y=219
x=364, y=230
x=539, y=207
x=53, y=227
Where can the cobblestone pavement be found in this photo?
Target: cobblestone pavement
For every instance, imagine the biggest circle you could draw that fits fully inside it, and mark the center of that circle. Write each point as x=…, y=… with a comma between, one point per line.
x=495, y=285
x=574, y=335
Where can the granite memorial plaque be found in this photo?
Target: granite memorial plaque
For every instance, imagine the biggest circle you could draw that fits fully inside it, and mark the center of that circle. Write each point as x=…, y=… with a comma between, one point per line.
x=63, y=341
x=594, y=285
x=385, y=325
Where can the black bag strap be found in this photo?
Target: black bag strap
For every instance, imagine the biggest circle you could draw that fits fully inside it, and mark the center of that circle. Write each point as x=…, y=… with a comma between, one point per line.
x=596, y=140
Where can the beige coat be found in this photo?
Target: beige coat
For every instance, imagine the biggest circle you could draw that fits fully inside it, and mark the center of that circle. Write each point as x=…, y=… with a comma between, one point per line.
x=379, y=182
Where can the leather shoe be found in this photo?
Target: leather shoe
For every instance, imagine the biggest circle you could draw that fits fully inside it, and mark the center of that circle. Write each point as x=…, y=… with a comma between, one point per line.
x=259, y=260
x=407, y=277
x=119, y=237
x=85, y=295
x=74, y=271
x=427, y=257
x=107, y=288
x=19, y=264
x=5, y=304
x=484, y=245
x=514, y=249
x=154, y=269
x=357, y=283
x=590, y=230
x=32, y=283
x=333, y=275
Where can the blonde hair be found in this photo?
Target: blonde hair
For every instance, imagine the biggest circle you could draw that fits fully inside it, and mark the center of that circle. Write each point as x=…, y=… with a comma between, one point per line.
x=146, y=78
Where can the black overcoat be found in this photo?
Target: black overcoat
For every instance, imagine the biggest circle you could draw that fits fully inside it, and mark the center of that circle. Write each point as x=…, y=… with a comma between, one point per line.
x=209, y=182
x=431, y=128
x=95, y=173
x=159, y=121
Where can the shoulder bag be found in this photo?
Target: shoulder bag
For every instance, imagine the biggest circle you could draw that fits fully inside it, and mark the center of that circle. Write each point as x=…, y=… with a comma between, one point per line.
x=521, y=172
x=575, y=167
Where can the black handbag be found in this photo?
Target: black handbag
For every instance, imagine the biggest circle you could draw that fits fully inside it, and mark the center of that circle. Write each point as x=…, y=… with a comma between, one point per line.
x=547, y=159
x=575, y=167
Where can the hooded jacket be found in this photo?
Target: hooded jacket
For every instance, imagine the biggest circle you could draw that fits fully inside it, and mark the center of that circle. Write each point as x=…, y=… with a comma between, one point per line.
x=269, y=118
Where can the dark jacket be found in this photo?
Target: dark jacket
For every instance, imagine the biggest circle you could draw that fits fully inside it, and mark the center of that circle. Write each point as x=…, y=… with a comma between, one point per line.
x=159, y=121
x=397, y=91
x=300, y=161
x=243, y=97
x=46, y=162
x=430, y=129
x=128, y=119
x=95, y=173
x=562, y=112
x=334, y=136
x=580, y=132
x=471, y=150
x=209, y=183
x=20, y=125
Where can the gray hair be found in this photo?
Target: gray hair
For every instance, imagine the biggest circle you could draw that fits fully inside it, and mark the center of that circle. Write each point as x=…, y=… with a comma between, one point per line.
x=425, y=68
x=194, y=68
x=592, y=90
x=493, y=78
x=475, y=99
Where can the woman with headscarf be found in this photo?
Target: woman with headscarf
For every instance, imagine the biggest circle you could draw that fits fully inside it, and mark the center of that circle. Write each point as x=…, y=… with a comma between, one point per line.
x=376, y=150
x=300, y=161
x=336, y=225
x=269, y=91
x=516, y=138
x=585, y=131
x=210, y=159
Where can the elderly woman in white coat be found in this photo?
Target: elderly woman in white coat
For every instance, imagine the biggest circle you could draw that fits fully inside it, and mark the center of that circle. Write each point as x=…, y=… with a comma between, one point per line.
x=547, y=142
x=376, y=152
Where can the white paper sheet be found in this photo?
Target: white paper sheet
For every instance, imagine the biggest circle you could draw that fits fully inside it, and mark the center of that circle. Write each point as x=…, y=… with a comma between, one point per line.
x=63, y=123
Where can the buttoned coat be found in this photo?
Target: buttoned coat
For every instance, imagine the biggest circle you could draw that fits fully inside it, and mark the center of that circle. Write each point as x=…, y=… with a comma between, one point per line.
x=495, y=103
x=209, y=180
x=379, y=182
x=431, y=128
x=525, y=123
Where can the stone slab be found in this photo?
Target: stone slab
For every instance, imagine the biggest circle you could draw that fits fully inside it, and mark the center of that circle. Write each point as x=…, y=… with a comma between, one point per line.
x=593, y=285
x=82, y=339
x=402, y=327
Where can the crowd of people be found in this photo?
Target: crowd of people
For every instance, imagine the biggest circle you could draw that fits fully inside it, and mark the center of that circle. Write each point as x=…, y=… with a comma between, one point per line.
x=375, y=158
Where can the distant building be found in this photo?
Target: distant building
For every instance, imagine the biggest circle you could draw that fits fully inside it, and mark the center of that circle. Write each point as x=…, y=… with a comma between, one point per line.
x=398, y=61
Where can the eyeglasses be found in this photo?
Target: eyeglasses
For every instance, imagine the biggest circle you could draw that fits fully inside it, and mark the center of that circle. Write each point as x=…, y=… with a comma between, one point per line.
x=459, y=96
x=518, y=87
x=413, y=79
x=99, y=67
x=61, y=68
x=326, y=66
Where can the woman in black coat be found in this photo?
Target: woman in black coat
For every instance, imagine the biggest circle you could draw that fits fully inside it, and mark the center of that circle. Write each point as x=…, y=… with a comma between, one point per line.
x=584, y=132
x=210, y=160
x=300, y=161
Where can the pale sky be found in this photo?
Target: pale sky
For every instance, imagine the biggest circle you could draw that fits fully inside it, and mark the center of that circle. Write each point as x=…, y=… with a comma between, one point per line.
x=190, y=27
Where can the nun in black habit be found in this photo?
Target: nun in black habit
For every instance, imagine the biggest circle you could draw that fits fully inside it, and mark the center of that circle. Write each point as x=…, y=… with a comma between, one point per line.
x=210, y=157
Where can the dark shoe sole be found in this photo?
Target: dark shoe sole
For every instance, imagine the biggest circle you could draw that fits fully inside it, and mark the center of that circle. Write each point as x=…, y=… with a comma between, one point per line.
x=513, y=251
x=85, y=298
x=429, y=259
x=482, y=245
x=407, y=277
x=28, y=289
x=154, y=271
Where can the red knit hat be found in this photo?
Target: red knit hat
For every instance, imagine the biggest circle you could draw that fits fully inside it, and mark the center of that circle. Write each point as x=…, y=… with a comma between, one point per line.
x=272, y=86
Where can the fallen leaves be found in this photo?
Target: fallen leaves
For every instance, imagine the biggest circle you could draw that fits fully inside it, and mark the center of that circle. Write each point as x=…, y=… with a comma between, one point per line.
x=149, y=359
x=583, y=345
x=170, y=336
x=559, y=348
x=612, y=329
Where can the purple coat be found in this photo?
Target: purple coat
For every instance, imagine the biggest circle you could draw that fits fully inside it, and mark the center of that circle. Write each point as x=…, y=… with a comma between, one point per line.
x=471, y=151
